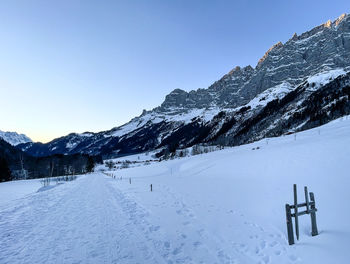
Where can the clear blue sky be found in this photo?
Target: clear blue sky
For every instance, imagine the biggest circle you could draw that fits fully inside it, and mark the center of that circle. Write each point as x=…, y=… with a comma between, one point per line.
x=75, y=66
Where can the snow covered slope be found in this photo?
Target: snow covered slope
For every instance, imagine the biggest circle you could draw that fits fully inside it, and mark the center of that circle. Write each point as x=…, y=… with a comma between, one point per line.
x=221, y=207
x=14, y=138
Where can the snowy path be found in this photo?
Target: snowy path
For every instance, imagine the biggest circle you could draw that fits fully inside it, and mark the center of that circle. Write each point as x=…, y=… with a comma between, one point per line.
x=92, y=221
x=80, y=222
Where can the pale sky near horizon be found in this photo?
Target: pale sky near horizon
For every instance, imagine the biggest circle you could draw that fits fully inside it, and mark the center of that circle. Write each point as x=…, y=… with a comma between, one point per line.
x=75, y=66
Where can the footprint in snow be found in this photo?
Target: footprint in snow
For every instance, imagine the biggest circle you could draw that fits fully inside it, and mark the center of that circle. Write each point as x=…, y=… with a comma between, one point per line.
x=262, y=244
x=278, y=252
x=266, y=259
x=293, y=258
x=154, y=228
x=176, y=251
x=273, y=243
x=242, y=247
x=167, y=244
x=197, y=244
x=257, y=250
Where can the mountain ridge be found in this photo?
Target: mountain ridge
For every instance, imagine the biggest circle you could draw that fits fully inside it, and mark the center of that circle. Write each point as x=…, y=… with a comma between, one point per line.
x=14, y=138
x=322, y=52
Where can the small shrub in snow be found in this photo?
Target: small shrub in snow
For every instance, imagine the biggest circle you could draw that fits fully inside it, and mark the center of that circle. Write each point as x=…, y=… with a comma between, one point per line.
x=125, y=164
x=110, y=164
x=45, y=181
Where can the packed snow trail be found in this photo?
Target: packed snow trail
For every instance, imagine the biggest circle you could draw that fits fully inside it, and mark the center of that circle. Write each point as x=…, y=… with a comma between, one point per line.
x=91, y=221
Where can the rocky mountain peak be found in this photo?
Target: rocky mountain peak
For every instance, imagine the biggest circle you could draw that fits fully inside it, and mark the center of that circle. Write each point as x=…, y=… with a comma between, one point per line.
x=275, y=46
x=340, y=19
x=238, y=70
x=174, y=98
x=328, y=24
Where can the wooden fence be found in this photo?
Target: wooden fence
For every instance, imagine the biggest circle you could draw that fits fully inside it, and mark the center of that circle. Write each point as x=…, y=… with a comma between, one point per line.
x=310, y=209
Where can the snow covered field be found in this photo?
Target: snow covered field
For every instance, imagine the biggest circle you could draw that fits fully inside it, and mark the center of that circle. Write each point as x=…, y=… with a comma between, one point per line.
x=221, y=207
x=12, y=190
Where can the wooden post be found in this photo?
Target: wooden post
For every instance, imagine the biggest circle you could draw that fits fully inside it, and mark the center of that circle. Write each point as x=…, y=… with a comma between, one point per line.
x=296, y=211
x=289, y=225
x=314, y=231
x=151, y=187
x=307, y=200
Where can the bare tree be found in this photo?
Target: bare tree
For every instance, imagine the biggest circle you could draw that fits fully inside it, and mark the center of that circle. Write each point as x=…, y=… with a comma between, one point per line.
x=23, y=173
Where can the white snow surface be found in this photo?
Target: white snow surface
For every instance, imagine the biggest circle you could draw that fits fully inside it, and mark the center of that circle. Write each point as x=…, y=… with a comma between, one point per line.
x=222, y=207
x=323, y=78
x=172, y=116
x=276, y=92
x=17, y=189
x=14, y=138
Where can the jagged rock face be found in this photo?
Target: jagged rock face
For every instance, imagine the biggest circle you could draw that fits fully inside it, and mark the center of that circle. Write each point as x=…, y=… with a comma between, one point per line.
x=323, y=48
x=218, y=94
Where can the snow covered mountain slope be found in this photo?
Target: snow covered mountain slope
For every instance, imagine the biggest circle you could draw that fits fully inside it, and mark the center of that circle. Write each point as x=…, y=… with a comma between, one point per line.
x=280, y=109
x=296, y=85
x=210, y=208
x=14, y=138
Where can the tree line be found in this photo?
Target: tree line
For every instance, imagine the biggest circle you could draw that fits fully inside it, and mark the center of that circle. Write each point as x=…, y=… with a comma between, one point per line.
x=15, y=164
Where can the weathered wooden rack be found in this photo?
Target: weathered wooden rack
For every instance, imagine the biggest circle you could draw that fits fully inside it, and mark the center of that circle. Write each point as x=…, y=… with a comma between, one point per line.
x=310, y=209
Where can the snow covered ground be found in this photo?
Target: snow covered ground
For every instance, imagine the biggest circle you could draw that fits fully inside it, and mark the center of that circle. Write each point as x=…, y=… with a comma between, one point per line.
x=221, y=207
x=12, y=190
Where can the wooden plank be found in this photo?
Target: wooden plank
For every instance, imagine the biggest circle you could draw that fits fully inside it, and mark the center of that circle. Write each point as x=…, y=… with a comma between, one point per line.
x=314, y=231
x=296, y=211
x=307, y=199
x=289, y=225
x=304, y=212
x=301, y=205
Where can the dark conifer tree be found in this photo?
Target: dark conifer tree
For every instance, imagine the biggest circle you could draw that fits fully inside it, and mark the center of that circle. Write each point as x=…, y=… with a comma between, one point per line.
x=90, y=164
x=5, y=173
